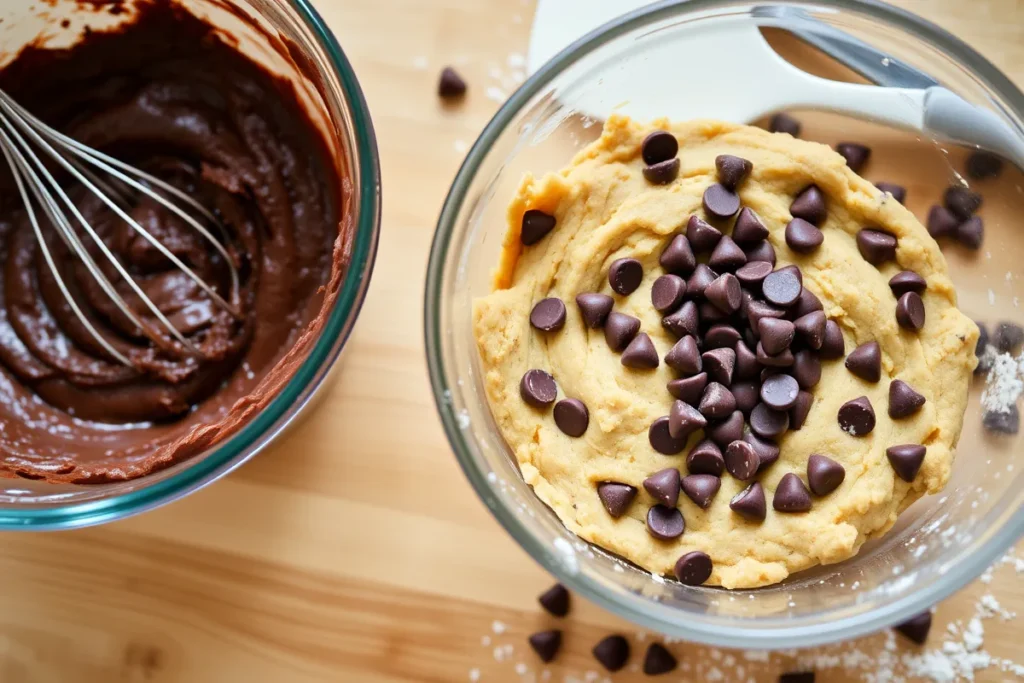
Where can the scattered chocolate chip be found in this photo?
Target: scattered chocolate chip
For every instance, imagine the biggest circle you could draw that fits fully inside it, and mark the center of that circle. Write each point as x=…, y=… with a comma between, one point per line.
x=910, y=311
x=802, y=237
x=779, y=392
x=663, y=172
x=753, y=273
x=546, y=644
x=658, y=660
x=702, y=235
x=1004, y=422
x=721, y=336
x=741, y=460
x=705, y=458
x=640, y=354
x=798, y=413
x=857, y=417
x=784, y=123
x=594, y=308
x=717, y=401
x=747, y=394
x=898, y=192
x=906, y=460
x=746, y=362
x=616, y=497
x=720, y=202
x=548, y=315
x=768, y=423
x=776, y=335
x=538, y=388
x=684, y=356
x=916, y=628
x=684, y=321
x=756, y=310
x=710, y=314
x=806, y=369
x=665, y=523
x=865, y=362
x=661, y=439
x=791, y=495
x=625, y=275
x=971, y=233
x=732, y=170
x=667, y=292
x=982, y=165
x=663, y=486
x=572, y=416
x=727, y=255
x=762, y=251
x=612, y=652
x=941, y=222
x=689, y=389
x=807, y=303
x=749, y=230
x=961, y=201
x=684, y=419
x=797, y=677
x=701, y=488
x=811, y=328
x=876, y=246
x=809, y=206
x=451, y=85
x=658, y=146
x=693, y=568
x=536, y=224
x=767, y=451
x=619, y=330
x=724, y=291
x=678, y=257
x=1008, y=337
x=555, y=600
x=833, y=347
x=700, y=279
x=783, y=286
x=726, y=431
x=719, y=364
x=781, y=360
x=824, y=475
x=856, y=154
x=907, y=281
x=903, y=400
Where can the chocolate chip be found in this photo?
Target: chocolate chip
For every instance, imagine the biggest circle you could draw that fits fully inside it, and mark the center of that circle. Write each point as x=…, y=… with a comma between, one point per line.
x=824, y=475
x=538, y=388
x=749, y=230
x=779, y=392
x=961, y=201
x=548, y=315
x=1008, y=337
x=684, y=419
x=876, y=246
x=768, y=423
x=798, y=413
x=898, y=192
x=667, y=292
x=797, y=677
x=857, y=417
x=536, y=224
x=971, y=233
x=865, y=362
x=658, y=660
x=717, y=401
x=451, y=85
x=619, y=330
x=907, y=281
x=659, y=146
x=612, y=652
x=661, y=439
x=903, y=400
x=767, y=451
x=703, y=236
x=678, y=257
x=781, y=360
x=811, y=328
x=684, y=356
x=807, y=303
x=721, y=336
x=705, y=458
x=791, y=495
x=594, y=308
x=732, y=170
x=784, y=123
x=1003, y=422
x=663, y=172
x=572, y=416
x=741, y=460
x=689, y=389
x=806, y=369
x=616, y=497
x=700, y=279
x=916, y=628
x=684, y=321
x=710, y=314
x=809, y=206
x=724, y=291
x=750, y=503
x=693, y=568
x=665, y=523
x=640, y=354
x=783, y=286
x=546, y=644
x=719, y=364
x=910, y=311
x=856, y=154
x=727, y=255
x=762, y=251
x=906, y=460
x=728, y=430
x=753, y=273
x=756, y=310
x=720, y=202
x=663, y=486
x=701, y=488
x=984, y=364
x=834, y=346
x=982, y=165
x=555, y=600
x=802, y=237
x=747, y=394
x=625, y=275
x=746, y=362
x=941, y=222
x=776, y=335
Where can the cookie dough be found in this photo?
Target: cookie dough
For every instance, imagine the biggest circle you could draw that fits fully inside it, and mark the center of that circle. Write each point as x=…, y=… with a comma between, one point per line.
x=605, y=210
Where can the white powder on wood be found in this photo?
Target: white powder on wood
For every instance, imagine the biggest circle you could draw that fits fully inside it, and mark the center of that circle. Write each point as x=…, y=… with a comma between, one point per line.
x=1005, y=381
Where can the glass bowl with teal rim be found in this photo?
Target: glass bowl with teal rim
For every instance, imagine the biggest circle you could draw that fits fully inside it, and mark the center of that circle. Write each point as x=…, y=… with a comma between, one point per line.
x=304, y=51
x=941, y=542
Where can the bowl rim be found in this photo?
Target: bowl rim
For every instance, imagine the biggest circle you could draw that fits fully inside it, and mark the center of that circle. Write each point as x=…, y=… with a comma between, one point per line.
x=301, y=387
x=647, y=614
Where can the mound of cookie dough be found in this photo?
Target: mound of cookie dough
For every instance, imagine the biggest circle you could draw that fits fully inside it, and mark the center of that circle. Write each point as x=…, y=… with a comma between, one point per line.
x=720, y=353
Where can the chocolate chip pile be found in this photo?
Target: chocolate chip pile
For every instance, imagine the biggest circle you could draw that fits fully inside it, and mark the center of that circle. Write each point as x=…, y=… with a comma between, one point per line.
x=751, y=342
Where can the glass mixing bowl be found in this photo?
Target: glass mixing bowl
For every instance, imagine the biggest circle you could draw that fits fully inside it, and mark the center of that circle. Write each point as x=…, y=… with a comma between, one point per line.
x=941, y=542
x=289, y=38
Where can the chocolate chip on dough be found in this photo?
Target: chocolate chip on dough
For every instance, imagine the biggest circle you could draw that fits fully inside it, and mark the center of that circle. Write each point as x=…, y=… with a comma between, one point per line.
x=720, y=202
x=640, y=354
x=705, y=458
x=661, y=438
x=548, y=315
x=803, y=237
x=865, y=361
x=768, y=423
x=658, y=146
x=806, y=368
x=876, y=246
x=779, y=392
x=824, y=475
x=667, y=292
x=724, y=432
x=898, y=192
x=684, y=356
x=572, y=416
x=776, y=335
x=834, y=346
x=689, y=389
x=907, y=281
x=703, y=236
x=906, y=460
x=809, y=205
x=538, y=388
x=857, y=417
x=732, y=170
x=701, y=488
x=663, y=486
x=741, y=460
x=748, y=230
x=910, y=311
x=616, y=497
x=619, y=330
x=798, y=413
x=536, y=224
x=684, y=419
x=783, y=287
x=700, y=279
x=762, y=251
x=693, y=568
x=719, y=364
x=750, y=503
x=663, y=172
x=811, y=328
x=678, y=258
x=717, y=401
x=625, y=275
x=594, y=308
x=721, y=336
x=904, y=401
x=685, y=321
x=724, y=291
x=791, y=495
x=665, y=523
x=753, y=273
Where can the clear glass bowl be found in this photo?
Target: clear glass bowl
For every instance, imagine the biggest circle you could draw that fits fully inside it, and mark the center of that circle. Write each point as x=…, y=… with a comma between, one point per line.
x=324, y=79
x=938, y=545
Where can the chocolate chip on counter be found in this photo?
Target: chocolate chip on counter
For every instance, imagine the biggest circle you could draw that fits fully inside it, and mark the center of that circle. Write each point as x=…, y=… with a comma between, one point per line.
x=619, y=330
x=684, y=356
x=753, y=273
x=756, y=310
x=971, y=233
x=906, y=460
x=572, y=416
x=802, y=237
x=762, y=251
x=693, y=568
x=594, y=308
x=746, y=362
x=661, y=439
x=450, y=85
x=768, y=423
x=783, y=287
x=807, y=303
x=732, y=170
x=667, y=292
x=865, y=362
x=555, y=600
x=720, y=202
x=797, y=677
x=658, y=660
x=750, y=503
x=798, y=413
x=721, y=336
x=616, y=497
x=903, y=400
x=857, y=417
x=701, y=488
x=684, y=419
x=724, y=291
x=811, y=328
x=689, y=389
x=727, y=255
x=678, y=258
x=546, y=644
x=941, y=222
x=806, y=369
x=719, y=364
x=538, y=388
x=717, y=401
x=1003, y=422
x=749, y=230
x=784, y=123
x=741, y=460
x=663, y=172
x=700, y=279
x=665, y=523
x=834, y=346
x=779, y=392
x=684, y=321
x=612, y=652
x=658, y=146
x=907, y=281
x=548, y=315
x=1008, y=337
x=663, y=486
x=824, y=475
x=726, y=431
x=898, y=192
x=856, y=154
x=982, y=165
x=625, y=275
x=747, y=394
x=705, y=458
x=536, y=224
x=776, y=335
x=791, y=495
x=702, y=235
x=640, y=354
x=910, y=311
x=767, y=451
x=916, y=628
x=876, y=246
x=781, y=360
x=984, y=361
x=961, y=201
x=809, y=205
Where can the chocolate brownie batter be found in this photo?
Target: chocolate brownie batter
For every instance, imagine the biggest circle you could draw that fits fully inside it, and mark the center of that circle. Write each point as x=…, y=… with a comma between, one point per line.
x=168, y=95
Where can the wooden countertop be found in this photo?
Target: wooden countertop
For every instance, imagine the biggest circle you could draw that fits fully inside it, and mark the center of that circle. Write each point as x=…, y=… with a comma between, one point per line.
x=354, y=549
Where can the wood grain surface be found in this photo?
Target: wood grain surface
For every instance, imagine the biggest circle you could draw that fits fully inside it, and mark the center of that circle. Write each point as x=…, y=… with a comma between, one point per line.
x=354, y=549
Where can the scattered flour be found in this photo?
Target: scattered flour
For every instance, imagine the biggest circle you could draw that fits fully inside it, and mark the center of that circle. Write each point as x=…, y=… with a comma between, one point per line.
x=1005, y=382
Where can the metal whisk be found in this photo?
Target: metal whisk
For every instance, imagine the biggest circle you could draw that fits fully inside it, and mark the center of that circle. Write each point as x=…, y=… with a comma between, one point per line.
x=21, y=134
